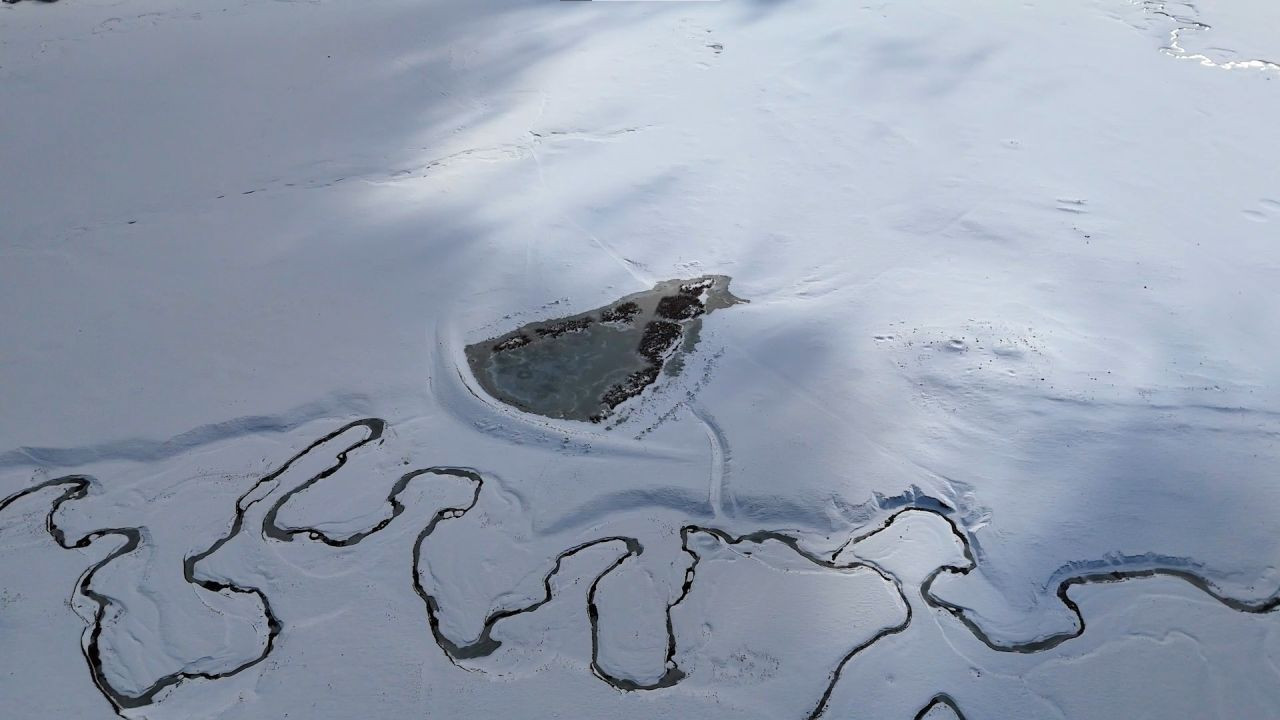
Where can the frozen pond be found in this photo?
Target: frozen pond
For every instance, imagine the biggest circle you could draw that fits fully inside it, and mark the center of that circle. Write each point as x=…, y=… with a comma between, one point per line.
x=584, y=366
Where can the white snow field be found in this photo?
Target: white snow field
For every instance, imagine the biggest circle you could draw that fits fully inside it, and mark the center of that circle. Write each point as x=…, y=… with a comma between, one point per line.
x=996, y=434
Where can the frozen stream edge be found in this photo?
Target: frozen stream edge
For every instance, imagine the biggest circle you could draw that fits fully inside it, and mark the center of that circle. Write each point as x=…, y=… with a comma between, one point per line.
x=76, y=487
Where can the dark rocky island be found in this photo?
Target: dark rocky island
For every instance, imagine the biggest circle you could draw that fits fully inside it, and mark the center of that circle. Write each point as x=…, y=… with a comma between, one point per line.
x=584, y=366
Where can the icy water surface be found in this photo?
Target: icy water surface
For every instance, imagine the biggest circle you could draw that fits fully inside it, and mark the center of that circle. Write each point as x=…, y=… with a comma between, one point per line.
x=584, y=366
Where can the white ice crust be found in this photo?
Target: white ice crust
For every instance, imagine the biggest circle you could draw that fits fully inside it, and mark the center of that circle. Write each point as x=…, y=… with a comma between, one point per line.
x=995, y=436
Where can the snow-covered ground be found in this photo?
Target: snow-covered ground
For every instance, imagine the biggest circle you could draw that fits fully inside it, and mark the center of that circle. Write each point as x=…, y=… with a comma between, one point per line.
x=996, y=435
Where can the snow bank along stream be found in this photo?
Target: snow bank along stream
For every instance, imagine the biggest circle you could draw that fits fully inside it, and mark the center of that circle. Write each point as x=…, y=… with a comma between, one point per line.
x=869, y=555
